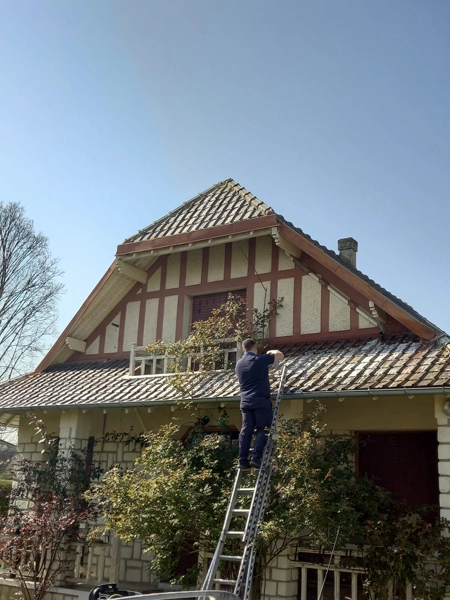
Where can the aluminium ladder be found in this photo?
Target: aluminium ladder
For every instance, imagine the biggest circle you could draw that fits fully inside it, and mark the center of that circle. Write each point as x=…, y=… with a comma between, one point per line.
x=254, y=516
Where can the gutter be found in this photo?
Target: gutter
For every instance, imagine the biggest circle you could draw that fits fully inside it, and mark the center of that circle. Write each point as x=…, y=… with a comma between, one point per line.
x=366, y=393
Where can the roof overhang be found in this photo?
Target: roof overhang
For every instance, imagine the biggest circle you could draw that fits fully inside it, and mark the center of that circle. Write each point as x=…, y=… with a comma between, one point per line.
x=337, y=395
x=202, y=235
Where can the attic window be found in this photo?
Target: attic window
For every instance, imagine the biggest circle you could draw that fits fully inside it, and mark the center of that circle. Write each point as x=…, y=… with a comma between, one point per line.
x=202, y=306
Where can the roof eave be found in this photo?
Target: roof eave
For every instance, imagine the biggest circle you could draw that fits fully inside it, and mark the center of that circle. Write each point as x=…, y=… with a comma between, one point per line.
x=325, y=395
x=200, y=235
x=61, y=341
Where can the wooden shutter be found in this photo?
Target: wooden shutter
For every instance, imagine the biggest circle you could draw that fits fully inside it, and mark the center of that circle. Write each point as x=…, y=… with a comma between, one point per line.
x=404, y=463
x=203, y=305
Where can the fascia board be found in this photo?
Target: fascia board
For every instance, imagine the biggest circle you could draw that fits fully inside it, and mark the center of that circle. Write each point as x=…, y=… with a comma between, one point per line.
x=220, y=231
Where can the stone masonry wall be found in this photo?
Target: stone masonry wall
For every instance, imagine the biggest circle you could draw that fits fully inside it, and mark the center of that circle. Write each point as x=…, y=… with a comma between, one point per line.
x=443, y=423
x=281, y=580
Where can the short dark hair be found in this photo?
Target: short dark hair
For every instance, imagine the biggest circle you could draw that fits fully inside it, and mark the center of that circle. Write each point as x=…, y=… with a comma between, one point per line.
x=248, y=344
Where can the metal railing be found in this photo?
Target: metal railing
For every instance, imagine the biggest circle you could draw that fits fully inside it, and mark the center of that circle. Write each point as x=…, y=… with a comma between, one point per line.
x=144, y=363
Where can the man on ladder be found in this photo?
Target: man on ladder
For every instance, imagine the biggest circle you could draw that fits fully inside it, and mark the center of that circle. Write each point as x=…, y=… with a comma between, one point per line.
x=252, y=371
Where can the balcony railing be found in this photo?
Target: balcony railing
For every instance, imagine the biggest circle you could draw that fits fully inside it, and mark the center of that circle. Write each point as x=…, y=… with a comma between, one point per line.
x=143, y=363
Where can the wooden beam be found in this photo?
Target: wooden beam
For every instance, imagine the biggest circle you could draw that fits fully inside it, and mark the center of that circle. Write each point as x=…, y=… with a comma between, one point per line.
x=131, y=272
x=77, y=345
x=198, y=235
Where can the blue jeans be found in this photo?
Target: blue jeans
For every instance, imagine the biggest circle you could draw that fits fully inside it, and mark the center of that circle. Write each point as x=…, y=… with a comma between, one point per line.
x=257, y=415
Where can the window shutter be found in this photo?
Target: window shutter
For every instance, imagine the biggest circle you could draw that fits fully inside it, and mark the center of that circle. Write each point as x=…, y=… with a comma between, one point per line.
x=203, y=305
x=404, y=463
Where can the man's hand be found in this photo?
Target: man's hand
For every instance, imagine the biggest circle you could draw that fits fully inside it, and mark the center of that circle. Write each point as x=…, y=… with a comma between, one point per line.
x=278, y=355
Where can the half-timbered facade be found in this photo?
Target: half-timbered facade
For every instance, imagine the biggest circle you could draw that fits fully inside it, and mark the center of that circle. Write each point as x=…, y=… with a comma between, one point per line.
x=380, y=368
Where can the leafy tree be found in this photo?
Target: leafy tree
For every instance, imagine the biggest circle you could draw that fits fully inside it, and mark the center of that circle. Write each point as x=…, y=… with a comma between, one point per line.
x=175, y=499
x=45, y=514
x=29, y=289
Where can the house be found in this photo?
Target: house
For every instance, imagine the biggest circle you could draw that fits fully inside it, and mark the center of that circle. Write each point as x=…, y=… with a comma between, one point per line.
x=379, y=366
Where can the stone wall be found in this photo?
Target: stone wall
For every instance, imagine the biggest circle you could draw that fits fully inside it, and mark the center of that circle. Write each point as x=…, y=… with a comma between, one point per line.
x=281, y=579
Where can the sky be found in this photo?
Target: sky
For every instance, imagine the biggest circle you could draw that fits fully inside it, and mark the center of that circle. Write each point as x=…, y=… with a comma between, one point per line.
x=335, y=114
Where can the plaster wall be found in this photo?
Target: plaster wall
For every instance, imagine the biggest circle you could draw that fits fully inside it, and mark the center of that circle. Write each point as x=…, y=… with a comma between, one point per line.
x=170, y=318
x=284, y=262
x=94, y=347
x=363, y=322
x=261, y=295
x=151, y=318
x=311, y=306
x=194, y=267
x=173, y=271
x=393, y=413
x=112, y=335
x=239, y=259
x=285, y=319
x=263, y=259
x=131, y=324
x=216, y=263
x=154, y=281
x=339, y=319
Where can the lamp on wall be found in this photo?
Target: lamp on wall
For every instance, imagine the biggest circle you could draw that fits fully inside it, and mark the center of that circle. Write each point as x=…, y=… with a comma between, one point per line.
x=446, y=408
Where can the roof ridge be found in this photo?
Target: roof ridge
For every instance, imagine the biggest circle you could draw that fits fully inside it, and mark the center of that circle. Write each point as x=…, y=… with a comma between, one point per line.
x=253, y=207
x=254, y=200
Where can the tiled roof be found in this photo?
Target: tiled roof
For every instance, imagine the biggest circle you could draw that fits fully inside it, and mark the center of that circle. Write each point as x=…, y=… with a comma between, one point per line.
x=337, y=367
x=228, y=202
x=225, y=203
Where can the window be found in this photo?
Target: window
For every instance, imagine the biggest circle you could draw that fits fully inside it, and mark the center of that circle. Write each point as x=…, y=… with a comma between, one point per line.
x=403, y=463
x=202, y=306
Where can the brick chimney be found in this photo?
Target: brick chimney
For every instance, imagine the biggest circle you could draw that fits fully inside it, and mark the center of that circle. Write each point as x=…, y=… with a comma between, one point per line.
x=348, y=247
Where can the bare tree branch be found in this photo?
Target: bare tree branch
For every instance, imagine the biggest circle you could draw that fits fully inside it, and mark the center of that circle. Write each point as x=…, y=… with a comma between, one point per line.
x=29, y=290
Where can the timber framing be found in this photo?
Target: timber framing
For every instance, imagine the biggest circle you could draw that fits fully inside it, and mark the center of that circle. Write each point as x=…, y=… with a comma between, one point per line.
x=133, y=267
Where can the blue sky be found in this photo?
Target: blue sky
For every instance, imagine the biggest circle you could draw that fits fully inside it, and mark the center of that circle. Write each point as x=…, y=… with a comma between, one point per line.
x=336, y=114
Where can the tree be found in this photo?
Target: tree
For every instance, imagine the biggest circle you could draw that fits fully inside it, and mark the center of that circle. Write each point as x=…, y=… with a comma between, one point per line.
x=175, y=499
x=29, y=289
x=45, y=513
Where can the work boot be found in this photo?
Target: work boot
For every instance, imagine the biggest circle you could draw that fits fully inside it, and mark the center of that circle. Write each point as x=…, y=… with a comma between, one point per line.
x=255, y=463
x=244, y=465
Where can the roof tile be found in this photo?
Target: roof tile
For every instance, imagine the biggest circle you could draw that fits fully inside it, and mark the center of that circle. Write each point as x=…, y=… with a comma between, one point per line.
x=393, y=364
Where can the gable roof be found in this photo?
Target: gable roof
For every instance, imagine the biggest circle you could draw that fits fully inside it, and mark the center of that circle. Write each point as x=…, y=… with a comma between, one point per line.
x=228, y=204
x=225, y=203
x=400, y=364
x=226, y=209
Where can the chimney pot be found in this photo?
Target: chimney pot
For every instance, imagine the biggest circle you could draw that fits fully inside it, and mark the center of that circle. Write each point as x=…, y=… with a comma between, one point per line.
x=348, y=247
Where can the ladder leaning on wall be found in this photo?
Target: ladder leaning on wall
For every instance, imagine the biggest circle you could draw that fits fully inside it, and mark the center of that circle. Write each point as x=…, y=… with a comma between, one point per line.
x=254, y=515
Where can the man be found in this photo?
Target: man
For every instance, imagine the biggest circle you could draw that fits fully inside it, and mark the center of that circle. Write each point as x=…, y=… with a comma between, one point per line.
x=252, y=371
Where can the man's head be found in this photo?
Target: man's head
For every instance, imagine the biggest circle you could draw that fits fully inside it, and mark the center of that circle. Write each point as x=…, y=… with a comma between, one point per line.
x=249, y=345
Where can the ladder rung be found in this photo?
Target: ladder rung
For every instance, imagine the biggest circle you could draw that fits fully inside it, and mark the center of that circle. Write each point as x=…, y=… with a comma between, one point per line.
x=235, y=534
x=230, y=558
x=246, y=491
x=240, y=512
x=225, y=581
